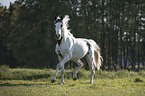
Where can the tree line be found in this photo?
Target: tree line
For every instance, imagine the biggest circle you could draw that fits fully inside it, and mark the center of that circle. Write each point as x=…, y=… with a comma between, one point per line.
x=27, y=35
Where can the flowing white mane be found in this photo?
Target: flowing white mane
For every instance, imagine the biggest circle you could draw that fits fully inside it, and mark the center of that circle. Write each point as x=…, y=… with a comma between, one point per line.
x=65, y=24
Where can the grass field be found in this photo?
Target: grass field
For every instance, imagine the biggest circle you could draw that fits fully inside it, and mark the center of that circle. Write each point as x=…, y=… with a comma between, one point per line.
x=36, y=82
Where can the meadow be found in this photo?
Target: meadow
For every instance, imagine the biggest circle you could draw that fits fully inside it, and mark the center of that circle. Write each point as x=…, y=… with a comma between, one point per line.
x=37, y=82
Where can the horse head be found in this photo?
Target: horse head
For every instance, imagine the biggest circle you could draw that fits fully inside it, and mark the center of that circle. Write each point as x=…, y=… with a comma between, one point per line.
x=58, y=27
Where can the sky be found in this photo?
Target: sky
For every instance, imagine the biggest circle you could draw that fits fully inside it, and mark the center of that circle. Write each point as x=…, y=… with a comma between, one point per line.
x=6, y=2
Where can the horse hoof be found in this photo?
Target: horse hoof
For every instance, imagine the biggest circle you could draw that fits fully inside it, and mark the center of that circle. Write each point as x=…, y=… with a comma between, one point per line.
x=74, y=79
x=60, y=83
x=52, y=81
x=91, y=83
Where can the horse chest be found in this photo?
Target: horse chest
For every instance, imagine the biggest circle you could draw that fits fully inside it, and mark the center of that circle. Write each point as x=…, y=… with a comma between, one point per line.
x=62, y=50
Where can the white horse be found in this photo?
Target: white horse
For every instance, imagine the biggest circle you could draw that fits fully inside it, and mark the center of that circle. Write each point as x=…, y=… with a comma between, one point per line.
x=71, y=48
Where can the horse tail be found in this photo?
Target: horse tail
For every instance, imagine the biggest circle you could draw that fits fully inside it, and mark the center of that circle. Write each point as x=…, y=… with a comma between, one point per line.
x=97, y=60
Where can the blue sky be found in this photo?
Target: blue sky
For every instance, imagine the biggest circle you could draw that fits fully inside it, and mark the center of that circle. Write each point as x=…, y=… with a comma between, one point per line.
x=6, y=2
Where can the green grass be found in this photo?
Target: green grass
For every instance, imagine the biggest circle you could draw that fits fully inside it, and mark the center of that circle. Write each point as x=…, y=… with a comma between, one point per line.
x=36, y=82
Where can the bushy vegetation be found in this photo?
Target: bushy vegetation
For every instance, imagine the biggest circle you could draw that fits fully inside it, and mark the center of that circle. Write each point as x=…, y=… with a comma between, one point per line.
x=3, y=70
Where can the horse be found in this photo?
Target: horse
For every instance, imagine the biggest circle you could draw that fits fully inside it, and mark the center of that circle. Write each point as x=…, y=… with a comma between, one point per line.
x=70, y=48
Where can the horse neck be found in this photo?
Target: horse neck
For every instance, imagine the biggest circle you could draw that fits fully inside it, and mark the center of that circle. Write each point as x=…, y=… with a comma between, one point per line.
x=64, y=35
x=67, y=34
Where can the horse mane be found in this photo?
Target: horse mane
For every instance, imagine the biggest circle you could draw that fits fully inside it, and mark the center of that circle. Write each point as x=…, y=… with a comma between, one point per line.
x=65, y=25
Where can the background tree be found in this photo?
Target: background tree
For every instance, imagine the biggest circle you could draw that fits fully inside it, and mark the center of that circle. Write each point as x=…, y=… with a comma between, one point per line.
x=28, y=35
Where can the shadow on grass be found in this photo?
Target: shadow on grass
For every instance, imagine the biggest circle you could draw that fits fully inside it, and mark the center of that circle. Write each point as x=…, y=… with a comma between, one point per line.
x=20, y=84
x=28, y=77
x=8, y=84
x=37, y=77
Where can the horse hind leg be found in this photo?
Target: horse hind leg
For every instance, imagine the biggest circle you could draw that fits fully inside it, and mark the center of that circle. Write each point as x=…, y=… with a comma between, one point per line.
x=90, y=59
x=92, y=73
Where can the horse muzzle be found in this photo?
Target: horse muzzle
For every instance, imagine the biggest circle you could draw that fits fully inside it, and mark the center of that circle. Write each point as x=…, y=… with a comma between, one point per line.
x=58, y=37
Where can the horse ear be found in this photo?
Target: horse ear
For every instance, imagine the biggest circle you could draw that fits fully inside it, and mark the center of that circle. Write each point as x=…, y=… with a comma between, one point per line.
x=55, y=18
x=61, y=17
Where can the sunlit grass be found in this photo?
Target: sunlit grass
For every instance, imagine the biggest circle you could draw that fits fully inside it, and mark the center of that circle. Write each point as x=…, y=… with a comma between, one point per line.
x=105, y=83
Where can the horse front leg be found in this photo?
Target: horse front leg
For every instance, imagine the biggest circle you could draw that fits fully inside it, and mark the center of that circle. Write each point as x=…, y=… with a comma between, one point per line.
x=61, y=64
x=62, y=75
x=54, y=76
x=80, y=65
